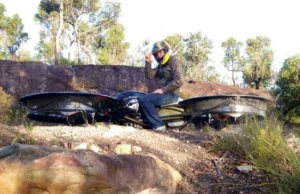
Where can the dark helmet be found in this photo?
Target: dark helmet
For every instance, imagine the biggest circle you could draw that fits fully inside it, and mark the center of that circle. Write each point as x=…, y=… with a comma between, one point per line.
x=158, y=46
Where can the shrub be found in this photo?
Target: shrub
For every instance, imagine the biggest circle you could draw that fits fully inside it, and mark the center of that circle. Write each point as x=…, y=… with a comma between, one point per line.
x=289, y=83
x=84, y=84
x=5, y=105
x=18, y=115
x=262, y=143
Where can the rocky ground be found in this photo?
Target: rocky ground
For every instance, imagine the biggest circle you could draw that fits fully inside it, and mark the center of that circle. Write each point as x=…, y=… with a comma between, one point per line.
x=190, y=151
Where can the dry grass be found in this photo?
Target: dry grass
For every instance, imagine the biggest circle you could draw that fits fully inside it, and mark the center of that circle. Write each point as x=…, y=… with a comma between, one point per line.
x=84, y=84
x=5, y=106
x=261, y=142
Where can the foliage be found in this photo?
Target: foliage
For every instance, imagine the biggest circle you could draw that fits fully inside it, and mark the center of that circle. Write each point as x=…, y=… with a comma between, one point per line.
x=84, y=84
x=65, y=16
x=18, y=116
x=141, y=50
x=196, y=54
x=48, y=17
x=176, y=42
x=12, y=114
x=12, y=30
x=258, y=62
x=114, y=50
x=45, y=50
x=5, y=104
x=289, y=84
x=65, y=61
x=233, y=60
x=211, y=74
x=74, y=12
x=25, y=55
x=261, y=143
x=94, y=30
x=110, y=46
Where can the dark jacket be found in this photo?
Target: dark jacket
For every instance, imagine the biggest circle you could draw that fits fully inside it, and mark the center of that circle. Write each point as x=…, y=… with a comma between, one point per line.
x=169, y=76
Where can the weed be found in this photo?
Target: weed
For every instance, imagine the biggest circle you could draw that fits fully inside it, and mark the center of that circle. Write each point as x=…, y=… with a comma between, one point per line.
x=5, y=104
x=262, y=143
x=23, y=138
x=17, y=115
x=84, y=84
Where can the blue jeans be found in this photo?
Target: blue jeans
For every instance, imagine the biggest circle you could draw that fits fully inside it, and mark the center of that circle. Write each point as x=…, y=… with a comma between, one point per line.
x=150, y=101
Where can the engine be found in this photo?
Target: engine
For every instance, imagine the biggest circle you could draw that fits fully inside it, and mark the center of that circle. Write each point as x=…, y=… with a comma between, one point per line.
x=132, y=104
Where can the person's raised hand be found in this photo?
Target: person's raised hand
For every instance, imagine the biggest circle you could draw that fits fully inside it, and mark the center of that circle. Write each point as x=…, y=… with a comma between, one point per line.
x=148, y=58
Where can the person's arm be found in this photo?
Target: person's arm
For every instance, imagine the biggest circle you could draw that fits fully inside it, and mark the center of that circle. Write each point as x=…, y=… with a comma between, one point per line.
x=149, y=72
x=178, y=77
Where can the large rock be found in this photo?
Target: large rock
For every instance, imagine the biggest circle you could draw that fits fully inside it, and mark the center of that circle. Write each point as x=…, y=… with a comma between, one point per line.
x=31, y=169
x=23, y=78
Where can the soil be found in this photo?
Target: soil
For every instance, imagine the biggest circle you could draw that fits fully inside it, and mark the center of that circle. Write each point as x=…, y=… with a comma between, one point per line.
x=190, y=150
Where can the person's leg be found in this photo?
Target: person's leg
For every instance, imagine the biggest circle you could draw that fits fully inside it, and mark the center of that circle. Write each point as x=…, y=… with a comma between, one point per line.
x=150, y=101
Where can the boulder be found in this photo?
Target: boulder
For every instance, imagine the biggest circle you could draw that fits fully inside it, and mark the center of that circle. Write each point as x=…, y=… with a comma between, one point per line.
x=33, y=169
x=22, y=78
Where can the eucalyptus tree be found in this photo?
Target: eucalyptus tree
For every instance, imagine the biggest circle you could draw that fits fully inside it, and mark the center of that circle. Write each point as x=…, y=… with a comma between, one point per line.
x=45, y=49
x=196, y=54
x=176, y=42
x=50, y=17
x=288, y=82
x=258, y=62
x=75, y=11
x=12, y=32
x=138, y=56
x=109, y=43
x=58, y=16
x=211, y=74
x=94, y=30
x=233, y=60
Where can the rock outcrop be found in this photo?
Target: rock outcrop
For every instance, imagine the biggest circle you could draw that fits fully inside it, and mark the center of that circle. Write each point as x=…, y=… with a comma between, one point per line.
x=30, y=169
x=22, y=78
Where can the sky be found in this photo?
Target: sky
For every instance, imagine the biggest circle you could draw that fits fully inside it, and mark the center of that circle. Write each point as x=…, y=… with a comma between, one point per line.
x=217, y=19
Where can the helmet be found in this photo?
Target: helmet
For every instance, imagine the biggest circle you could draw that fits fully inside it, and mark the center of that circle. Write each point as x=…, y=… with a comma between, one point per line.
x=158, y=46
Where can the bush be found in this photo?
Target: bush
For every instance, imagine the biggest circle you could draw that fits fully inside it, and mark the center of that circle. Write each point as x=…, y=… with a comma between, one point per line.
x=5, y=106
x=289, y=83
x=262, y=143
x=11, y=114
x=18, y=116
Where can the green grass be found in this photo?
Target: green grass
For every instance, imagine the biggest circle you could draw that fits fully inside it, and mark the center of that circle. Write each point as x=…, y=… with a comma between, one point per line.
x=262, y=143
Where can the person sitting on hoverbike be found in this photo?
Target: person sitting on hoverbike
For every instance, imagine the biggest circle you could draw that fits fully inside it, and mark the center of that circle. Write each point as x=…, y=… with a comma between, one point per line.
x=169, y=75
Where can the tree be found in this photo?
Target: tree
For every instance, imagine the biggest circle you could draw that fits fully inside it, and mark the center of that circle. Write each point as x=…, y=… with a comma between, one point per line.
x=24, y=55
x=109, y=43
x=11, y=29
x=58, y=16
x=289, y=83
x=176, y=42
x=232, y=60
x=45, y=50
x=93, y=31
x=49, y=16
x=211, y=74
x=74, y=10
x=138, y=59
x=258, y=63
x=114, y=50
x=196, y=54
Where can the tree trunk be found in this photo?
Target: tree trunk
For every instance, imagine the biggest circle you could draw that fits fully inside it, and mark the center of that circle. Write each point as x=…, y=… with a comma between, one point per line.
x=232, y=68
x=57, y=38
x=77, y=35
